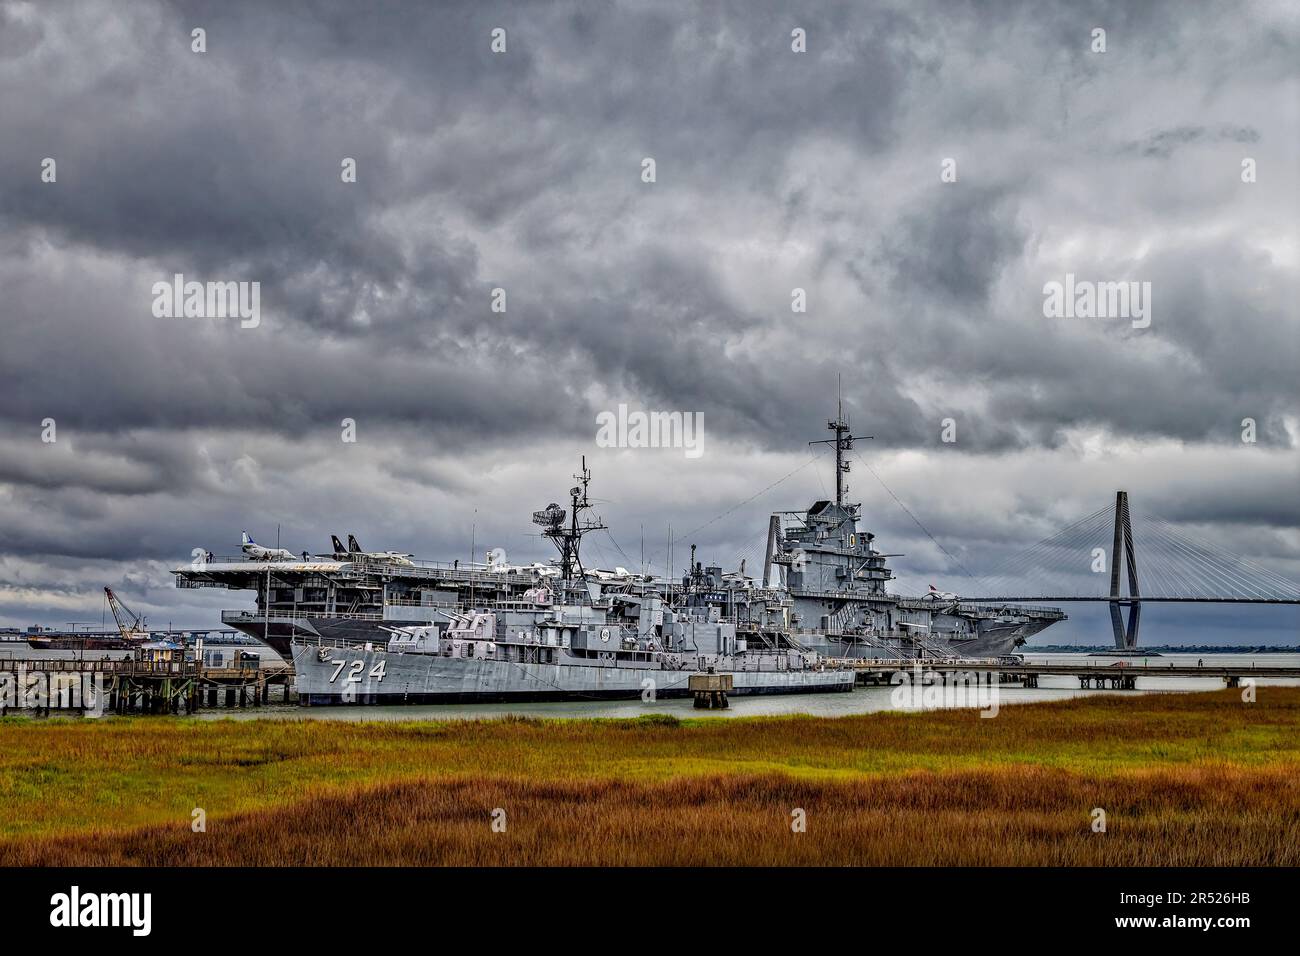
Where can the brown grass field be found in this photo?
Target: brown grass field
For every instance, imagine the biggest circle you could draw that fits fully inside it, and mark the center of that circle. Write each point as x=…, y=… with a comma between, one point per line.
x=1184, y=779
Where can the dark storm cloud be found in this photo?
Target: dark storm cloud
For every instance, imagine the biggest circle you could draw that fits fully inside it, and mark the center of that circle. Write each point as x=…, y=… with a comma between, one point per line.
x=227, y=164
x=955, y=247
x=1163, y=142
x=775, y=170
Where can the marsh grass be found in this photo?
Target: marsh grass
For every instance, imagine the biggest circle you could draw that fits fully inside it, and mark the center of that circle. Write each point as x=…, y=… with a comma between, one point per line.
x=1197, y=779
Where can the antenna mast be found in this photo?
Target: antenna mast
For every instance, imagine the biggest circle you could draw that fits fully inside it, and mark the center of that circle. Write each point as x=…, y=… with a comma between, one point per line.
x=569, y=539
x=843, y=442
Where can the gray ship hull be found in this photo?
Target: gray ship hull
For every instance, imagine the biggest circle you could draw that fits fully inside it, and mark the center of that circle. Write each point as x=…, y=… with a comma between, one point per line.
x=991, y=639
x=434, y=679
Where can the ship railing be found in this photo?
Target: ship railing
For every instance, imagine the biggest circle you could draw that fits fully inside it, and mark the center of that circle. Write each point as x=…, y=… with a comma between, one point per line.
x=359, y=563
x=495, y=604
x=516, y=604
x=106, y=666
x=865, y=636
x=924, y=662
x=908, y=663
x=970, y=605
x=993, y=607
x=251, y=564
x=243, y=617
x=340, y=643
x=809, y=592
x=505, y=634
x=446, y=571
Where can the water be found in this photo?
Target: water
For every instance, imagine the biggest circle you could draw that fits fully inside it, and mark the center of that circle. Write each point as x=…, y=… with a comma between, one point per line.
x=863, y=700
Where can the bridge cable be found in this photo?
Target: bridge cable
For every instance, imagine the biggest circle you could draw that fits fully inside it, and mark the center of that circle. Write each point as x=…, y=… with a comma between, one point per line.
x=916, y=520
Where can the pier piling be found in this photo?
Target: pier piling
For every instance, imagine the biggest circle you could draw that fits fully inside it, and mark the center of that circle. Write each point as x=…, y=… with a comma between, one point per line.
x=711, y=690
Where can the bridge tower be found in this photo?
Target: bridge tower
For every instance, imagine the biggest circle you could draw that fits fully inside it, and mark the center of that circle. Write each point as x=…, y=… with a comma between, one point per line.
x=1125, y=637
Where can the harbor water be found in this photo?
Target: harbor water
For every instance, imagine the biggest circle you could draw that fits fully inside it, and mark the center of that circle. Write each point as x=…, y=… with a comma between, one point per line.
x=863, y=700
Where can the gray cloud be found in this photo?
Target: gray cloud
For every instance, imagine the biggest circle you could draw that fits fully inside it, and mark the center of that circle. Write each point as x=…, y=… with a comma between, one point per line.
x=775, y=170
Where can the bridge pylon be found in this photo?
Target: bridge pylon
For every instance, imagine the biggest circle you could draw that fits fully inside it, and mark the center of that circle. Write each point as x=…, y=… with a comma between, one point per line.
x=1125, y=636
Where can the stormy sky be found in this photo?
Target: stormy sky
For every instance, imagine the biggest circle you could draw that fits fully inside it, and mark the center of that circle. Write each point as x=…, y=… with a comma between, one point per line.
x=522, y=170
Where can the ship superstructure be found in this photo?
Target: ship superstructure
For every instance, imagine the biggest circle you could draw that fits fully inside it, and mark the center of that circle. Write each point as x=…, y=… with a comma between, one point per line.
x=837, y=581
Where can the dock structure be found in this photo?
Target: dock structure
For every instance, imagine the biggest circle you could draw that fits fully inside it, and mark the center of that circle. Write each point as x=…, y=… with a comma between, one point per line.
x=245, y=686
x=1117, y=676
x=141, y=686
x=711, y=690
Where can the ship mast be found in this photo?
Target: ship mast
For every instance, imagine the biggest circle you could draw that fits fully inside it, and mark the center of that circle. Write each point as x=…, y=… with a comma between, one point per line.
x=843, y=442
x=569, y=539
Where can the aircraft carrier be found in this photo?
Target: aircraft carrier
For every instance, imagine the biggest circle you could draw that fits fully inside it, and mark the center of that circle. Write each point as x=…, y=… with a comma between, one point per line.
x=367, y=627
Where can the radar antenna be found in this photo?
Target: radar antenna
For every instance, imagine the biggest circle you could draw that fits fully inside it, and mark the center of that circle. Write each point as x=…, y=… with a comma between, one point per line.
x=568, y=539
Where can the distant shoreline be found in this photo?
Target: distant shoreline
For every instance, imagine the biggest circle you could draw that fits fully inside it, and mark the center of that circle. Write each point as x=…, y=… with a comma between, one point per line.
x=1164, y=648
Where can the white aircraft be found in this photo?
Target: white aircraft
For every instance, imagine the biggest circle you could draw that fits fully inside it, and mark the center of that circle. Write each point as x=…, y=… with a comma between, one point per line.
x=600, y=574
x=496, y=561
x=354, y=551
x=256, y=552
x=738, y=577
x=934, y=594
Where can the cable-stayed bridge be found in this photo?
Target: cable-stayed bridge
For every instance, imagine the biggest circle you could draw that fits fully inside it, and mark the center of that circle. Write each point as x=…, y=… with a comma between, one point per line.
x=1126, y=560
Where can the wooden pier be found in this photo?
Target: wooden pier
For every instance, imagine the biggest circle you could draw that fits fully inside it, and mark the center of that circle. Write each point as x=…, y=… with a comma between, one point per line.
x=1122, y=675
x=149, y=687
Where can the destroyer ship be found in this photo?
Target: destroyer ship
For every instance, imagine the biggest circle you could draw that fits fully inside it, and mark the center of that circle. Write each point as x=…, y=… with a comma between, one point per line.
x=367, y=627
x=568, y=636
